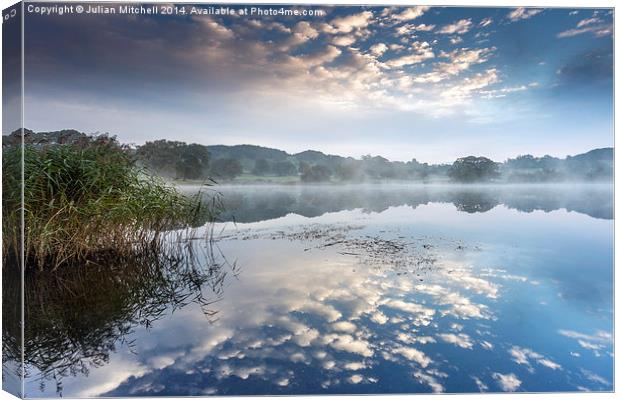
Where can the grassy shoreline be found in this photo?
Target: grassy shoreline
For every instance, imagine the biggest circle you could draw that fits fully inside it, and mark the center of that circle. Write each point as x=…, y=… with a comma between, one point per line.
x=87, y=201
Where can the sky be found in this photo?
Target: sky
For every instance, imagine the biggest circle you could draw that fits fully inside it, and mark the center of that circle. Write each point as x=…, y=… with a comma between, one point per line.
x=431, y=83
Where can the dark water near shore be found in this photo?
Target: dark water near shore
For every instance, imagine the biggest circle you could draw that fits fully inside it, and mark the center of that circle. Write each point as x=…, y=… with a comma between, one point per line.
x=382, y=289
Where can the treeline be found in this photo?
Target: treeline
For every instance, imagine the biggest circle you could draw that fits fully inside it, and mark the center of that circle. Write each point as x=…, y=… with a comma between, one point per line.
x=179, y=160
x=192, y=161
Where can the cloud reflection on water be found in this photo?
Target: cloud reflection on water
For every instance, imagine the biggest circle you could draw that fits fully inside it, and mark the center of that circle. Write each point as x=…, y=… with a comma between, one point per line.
x=305, y=318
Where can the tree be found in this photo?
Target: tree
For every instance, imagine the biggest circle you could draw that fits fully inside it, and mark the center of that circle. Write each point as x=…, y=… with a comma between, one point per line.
x=417, y=170
x=378, y=167
x=192, y=161
x=284, y=168
x=316, y=173
x=303, y=167
x=473, y=169
x=349, y=170
x=226, y=168
x=261, y=167
x=175, y=159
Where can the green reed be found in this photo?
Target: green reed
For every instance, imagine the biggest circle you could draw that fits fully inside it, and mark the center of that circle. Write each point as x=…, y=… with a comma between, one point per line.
x=87, y=201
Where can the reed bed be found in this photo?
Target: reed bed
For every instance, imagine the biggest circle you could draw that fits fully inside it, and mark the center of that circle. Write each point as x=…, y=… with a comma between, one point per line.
x=107, y=248
x=87, y=202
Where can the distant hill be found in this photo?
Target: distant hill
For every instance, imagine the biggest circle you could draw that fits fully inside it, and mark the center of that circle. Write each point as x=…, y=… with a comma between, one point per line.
x=317, y=157
x=247, y=151
x=246, y=154
x=605, y=154
x=596, y=164
x=169, y=157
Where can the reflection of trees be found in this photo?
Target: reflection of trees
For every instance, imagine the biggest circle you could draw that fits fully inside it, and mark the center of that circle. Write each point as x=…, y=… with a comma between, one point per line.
x=76, y=316
x=257, y=204
x=11, y=317
x=595, y=203
x=474, y=201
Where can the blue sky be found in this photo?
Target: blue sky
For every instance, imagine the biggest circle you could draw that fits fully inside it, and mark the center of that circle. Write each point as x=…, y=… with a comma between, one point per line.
x=403, y=82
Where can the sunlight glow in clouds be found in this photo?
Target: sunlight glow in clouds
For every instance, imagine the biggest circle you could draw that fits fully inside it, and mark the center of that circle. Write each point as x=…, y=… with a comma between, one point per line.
x=422, y=76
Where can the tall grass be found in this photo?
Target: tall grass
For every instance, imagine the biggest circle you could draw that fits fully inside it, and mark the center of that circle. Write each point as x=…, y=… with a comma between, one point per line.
x=87, y=202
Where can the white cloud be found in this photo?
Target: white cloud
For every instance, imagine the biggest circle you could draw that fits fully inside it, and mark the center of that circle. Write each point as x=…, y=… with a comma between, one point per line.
x=485, y=22
x=519, y=356
x=355, y=379
x=102, y=380
x=411, y=13
x=588, y=21
x=593, y=25
x=523, y=13
x=523, y=355
x=241, y=372
x=297, y=357
x=599, y=336
x=410, y=28
x=459, y=61
x=412, y=339
x=549, y=364
x=460, y=306
x=306, y=337
x=486, y=345
x=465, y=88
x=378, y=49
x=351, y=22
x=423, y=315
x=306, y=30
x=589, y=345
x=327, y=55
x=215, y=30
x=354, y=366
x=481, y=385
x=346, y=40
x=459, y=27
x=498, y=93
x=462, y=340
x=351, y=345
x=508, y=382
x=379, y=318
x=413, y=355
x=344, y=326
x=301, y=33
x=421, y=51
x=324, y=310
x=594, y=377
x=429, y=380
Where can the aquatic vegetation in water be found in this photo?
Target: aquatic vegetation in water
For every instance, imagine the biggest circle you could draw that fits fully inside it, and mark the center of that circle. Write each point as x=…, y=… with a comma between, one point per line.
x=80, y=314
x=402, y=254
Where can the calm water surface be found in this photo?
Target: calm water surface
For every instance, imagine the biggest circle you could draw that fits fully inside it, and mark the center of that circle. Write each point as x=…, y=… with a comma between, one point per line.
x=383, y=289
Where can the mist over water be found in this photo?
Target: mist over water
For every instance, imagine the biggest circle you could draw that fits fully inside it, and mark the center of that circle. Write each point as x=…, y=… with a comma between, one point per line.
x=251, y=203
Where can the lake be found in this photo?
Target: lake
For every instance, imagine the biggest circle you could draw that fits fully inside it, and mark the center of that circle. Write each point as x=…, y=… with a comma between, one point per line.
x=366, y=289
